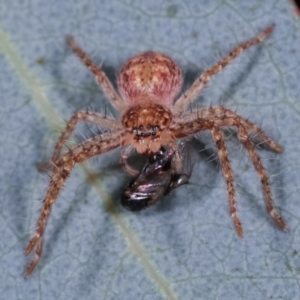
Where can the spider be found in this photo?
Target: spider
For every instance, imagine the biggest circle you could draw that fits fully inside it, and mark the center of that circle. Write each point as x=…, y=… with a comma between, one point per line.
x=153, y=116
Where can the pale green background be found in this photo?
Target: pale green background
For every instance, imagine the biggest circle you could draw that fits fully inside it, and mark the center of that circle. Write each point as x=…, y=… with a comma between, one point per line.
x=185, y=247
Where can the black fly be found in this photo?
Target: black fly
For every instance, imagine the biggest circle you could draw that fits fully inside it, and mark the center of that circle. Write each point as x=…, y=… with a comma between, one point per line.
x=158, y=177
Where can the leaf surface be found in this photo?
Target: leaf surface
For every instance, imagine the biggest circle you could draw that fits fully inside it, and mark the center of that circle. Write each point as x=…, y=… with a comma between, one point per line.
x=185, y=247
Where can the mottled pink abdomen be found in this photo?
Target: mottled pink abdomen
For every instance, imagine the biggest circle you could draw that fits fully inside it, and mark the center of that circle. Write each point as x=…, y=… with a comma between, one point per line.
x=150, y=77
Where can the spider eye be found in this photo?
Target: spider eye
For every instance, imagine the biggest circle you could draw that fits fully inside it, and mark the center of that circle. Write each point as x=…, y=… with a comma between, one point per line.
x=140, y=131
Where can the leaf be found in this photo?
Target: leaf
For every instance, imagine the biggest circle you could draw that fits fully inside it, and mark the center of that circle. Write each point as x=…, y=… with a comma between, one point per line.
x=185, y=247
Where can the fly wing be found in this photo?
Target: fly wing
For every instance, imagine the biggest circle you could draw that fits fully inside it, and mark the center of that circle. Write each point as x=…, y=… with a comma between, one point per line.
x=180, y=175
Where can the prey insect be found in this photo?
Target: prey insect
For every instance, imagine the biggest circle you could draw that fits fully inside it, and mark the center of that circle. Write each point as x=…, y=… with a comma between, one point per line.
x=159, y=177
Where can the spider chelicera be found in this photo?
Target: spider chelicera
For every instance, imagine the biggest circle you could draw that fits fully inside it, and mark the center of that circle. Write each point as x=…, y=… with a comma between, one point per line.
x=152, y=117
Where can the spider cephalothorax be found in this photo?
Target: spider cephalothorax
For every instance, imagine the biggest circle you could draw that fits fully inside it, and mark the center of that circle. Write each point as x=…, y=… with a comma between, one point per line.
x=152, y=117
x=147, y=127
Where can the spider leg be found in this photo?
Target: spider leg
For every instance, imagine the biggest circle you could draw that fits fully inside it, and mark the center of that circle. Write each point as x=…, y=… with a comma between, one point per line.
x=124, y=163
x=101, y=78
x=184, y=129
x=248, y=144
x=87, y=116
x=177, y=156
x=223, y=116
x=60, y=173
x=217, y=135
x=36, y=257
x=191, y=94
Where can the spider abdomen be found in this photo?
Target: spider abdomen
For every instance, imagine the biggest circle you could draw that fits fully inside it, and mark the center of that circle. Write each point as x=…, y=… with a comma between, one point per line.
x=150, y=77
